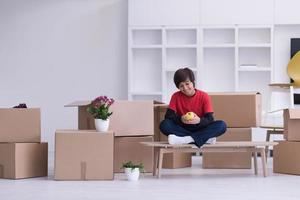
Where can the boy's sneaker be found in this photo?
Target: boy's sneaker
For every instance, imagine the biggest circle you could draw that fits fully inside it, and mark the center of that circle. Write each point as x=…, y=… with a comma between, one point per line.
x=212, y=140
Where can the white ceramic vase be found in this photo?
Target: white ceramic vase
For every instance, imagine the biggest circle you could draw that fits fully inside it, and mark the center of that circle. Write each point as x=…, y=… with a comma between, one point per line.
x=101, y=125
x=132, y=174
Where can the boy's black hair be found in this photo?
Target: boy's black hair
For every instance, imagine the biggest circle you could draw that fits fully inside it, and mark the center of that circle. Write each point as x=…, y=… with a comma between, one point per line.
x=182, y=75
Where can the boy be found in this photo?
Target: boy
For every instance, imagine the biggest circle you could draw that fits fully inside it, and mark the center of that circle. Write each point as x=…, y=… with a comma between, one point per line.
x=198, y=126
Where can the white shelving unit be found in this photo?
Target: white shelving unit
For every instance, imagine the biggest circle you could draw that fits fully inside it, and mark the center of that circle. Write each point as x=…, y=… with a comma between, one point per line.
x=237, y=58
x=154, y=54
x=223, y=58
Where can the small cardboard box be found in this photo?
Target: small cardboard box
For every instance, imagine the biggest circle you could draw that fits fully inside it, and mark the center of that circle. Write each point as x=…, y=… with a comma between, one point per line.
x=175, y=160
x=131, y=149
x=286, y=158
x=129, y=118
x=20, y=125
x=83, y=155
x=23, y=160
x=291, y=121
x=229, y=160
x=238, y=109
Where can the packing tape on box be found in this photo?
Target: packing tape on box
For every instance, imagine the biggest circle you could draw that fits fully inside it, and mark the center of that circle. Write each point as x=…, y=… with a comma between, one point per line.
x=83, y=170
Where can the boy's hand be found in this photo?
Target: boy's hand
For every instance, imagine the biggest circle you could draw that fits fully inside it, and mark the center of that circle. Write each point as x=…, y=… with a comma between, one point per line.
x=194, y=120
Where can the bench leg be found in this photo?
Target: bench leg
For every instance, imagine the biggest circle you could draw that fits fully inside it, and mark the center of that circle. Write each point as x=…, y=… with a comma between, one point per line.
x=267, y=140
x=155, y=164
x=160, y=160
x=255, y=162
x=263, y=160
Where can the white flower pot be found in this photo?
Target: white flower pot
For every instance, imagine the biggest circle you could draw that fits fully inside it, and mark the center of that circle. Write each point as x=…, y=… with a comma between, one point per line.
x=101, y=125
x=132, y=174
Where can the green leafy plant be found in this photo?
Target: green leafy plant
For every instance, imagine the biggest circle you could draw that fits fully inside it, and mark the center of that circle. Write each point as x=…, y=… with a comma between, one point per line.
x=132, y=166
x=99, y=108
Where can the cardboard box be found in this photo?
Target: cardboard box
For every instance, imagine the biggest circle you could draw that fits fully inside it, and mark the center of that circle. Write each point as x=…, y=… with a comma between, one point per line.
x=291, y=121
x=238, y=110
x=83, y=155
x=129, y=118
x=286, y=158
x=23, y=160
x=20, y=125
x=131, y=149
x=176, y=160
x=228, y=160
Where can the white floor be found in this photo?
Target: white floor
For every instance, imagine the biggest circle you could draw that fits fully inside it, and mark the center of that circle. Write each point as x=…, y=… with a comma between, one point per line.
x=187, y=184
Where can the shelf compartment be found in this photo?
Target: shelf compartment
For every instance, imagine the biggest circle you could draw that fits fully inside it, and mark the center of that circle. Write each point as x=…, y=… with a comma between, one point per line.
x=218, y=36
x=147, y=37
x=181, y=57
x=258, y=56
x=258, y=82
x=218, y=70
x=146, y=68
x=254, y=35
x=181, y=36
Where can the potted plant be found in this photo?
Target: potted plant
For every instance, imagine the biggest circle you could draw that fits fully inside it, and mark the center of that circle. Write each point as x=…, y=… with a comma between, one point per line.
x=132, y=170
x=99, y=109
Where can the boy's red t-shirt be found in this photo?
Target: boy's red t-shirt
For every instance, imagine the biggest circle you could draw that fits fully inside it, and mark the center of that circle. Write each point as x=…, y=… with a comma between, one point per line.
x=199, y=103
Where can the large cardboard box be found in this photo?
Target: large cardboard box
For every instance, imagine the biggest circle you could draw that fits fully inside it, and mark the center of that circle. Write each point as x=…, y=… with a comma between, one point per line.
x=238, y=109
x=130, y=149
x=291, y=121
x=230, y=160
x=129, y=118
x=176, y=160
x=83, y=155
x=23, y=160
x=286, y=157
x=20, y=125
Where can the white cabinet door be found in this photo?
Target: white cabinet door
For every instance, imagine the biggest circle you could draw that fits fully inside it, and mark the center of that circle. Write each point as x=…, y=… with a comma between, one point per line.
x=219, y=12
x=287, y=12
x=163, y=12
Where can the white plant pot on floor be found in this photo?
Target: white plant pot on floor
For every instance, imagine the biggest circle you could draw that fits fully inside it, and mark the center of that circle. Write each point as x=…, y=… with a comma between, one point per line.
x=132, y=174
x=101, y=125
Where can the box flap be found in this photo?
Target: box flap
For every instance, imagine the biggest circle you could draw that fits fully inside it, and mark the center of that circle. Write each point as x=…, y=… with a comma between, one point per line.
x=294, y=113
x=78, y=103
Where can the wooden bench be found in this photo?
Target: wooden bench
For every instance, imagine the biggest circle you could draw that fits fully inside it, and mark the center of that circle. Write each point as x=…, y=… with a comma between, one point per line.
x=160, y=148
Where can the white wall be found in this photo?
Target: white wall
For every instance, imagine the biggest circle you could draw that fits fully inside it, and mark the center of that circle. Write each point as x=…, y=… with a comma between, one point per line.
x=55, y=51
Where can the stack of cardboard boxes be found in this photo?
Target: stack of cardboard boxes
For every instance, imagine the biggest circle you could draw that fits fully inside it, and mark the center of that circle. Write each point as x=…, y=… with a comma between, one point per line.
x=132, y=122
x=22, y=155
x=240, y=111
x=286, y=155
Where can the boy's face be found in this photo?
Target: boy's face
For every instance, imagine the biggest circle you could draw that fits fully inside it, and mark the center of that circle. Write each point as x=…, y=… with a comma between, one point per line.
x=187, y=88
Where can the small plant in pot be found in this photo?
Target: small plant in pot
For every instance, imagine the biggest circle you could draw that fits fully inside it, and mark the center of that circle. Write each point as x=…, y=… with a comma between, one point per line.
x=132, y=170
x=99, y=109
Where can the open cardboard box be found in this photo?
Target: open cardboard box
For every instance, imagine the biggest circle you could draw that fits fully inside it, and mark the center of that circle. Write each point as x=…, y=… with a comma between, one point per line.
x=291, y=121
x=129, y=118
